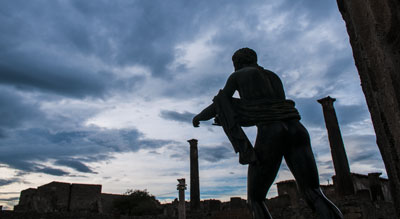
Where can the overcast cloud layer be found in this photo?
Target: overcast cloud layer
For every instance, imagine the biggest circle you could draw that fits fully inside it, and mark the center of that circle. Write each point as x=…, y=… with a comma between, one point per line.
x=104, y=91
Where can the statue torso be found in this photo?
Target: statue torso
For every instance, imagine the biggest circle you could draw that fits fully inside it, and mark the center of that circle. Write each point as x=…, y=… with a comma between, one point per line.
x=255, y=83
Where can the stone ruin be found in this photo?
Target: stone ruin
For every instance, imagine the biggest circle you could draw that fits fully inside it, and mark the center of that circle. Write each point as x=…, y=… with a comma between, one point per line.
x=371, y=200
x=65, y=197
x=358, y=196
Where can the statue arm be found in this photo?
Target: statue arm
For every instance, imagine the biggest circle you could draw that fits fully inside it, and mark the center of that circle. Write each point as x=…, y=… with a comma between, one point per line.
x=209, y=112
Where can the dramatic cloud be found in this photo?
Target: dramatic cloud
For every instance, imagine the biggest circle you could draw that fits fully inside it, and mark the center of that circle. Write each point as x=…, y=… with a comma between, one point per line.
x=75, y=164
x=15, y=110
x=42, y=145
x=176, y=116
x=209, y=153
x=50, y=171
x=4, y=182
x=13, y=199
x=216, y=154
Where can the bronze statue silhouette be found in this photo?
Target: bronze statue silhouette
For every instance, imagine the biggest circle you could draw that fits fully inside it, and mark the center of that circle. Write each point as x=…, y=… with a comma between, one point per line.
x=280, y=134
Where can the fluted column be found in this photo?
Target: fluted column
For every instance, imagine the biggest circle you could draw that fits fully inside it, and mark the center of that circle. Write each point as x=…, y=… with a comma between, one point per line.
x=194, y=176
x=344, y=182
x=181, y=207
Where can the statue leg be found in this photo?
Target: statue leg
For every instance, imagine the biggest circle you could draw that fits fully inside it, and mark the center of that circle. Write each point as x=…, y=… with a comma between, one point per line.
x=262, y=174
x=300, y=160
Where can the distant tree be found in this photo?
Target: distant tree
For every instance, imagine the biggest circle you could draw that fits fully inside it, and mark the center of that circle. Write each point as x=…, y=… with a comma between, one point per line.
x=137, y=203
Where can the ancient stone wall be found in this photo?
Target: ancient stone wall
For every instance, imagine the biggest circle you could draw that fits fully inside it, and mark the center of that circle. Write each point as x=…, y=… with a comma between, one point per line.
x=278, y=201
x=211, y=205
x=243, y=213
x=374, y=30
x=329, y=190
x=360, y=181
x=53, y=196
x=57, y=215
x=61, y=197
x=289, y=187
x=236, y=203
x=85, y=197
x=50, y=197
x=26, y=200
x=107, y=201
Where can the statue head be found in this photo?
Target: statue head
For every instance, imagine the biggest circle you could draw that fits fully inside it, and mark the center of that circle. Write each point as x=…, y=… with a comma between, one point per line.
x=244, y=57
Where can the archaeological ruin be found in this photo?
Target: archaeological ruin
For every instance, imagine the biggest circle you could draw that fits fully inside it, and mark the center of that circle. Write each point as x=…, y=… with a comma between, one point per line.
x=372, y=199
x=369, y=196
x=358, y=196
x=66, y=197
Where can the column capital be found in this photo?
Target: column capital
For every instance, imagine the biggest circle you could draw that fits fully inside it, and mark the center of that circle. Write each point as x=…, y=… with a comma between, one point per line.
x=193, y=141
x=327, y=101
x=182, y=184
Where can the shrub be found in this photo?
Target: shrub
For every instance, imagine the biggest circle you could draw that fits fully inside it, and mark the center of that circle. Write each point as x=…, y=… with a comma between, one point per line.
x=137, y=203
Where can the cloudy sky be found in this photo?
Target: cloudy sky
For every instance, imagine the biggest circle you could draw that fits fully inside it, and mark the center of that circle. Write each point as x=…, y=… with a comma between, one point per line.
x=103, y=92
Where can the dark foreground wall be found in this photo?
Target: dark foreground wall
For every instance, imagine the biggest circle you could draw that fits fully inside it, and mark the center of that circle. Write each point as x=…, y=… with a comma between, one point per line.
x=53, y=215
x=374, y=30
x=70, y=215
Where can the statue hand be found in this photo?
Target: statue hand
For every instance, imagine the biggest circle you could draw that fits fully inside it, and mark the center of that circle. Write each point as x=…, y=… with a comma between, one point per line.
x=196, y=121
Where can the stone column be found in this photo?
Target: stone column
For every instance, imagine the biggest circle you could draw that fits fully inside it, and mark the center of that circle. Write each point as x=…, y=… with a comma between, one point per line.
x=373, y=28
x=194, y=176
x=181, y=207
x=344, y=182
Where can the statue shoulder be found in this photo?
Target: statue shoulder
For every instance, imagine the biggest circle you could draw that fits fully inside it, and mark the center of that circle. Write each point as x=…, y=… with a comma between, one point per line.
x=271, y=73
x=246, y=70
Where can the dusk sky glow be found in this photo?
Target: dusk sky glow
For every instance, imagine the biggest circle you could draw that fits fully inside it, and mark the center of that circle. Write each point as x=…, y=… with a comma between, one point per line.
x=103, y=92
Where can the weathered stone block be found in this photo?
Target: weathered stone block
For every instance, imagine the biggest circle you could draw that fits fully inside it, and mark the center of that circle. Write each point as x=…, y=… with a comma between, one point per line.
x=85, y=197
